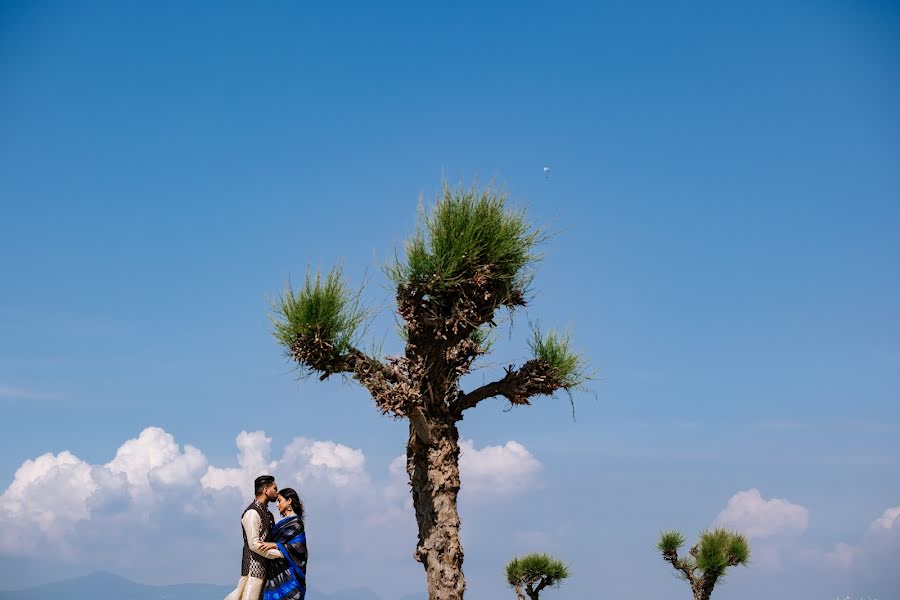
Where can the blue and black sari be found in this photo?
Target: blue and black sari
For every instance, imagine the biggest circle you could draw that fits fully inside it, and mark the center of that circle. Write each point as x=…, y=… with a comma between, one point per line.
x=287, y=576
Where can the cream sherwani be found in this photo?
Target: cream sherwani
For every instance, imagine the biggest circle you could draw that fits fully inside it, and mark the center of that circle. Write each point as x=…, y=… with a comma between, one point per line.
x=250, y=588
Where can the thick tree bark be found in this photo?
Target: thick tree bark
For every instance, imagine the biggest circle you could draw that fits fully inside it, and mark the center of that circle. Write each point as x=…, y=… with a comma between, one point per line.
x=703, y=588
x=434, y=475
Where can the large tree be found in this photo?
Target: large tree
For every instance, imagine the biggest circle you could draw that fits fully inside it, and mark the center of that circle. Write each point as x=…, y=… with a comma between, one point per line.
x=708, y=560
x=472, y=257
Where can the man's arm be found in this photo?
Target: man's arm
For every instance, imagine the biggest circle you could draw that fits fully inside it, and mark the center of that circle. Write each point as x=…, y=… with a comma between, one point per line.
x=252, y=524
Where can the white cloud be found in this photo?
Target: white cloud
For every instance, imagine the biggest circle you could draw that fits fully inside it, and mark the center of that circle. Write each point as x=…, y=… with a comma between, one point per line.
x=841, y=556
x=154, y=458
x=304, y=461
x=748, y=512
x=490, y=471
x=881, y=540
x=48, y=497
x=55, y=492
x=397, y=489
x=496, y=470
x=50, y=491
x=310, y=461
x=176, y=506
x=886, y=521
x=254, y=450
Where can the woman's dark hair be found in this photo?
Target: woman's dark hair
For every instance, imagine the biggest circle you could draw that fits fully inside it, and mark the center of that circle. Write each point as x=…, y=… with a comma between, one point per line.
x=296, y=505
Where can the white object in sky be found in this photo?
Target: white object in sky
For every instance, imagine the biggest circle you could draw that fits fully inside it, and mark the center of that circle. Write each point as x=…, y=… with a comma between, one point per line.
x=546, y=171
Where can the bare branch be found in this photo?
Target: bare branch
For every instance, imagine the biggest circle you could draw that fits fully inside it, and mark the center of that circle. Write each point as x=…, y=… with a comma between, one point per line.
x=686, y=568
x=388, y=383
x=534, y=378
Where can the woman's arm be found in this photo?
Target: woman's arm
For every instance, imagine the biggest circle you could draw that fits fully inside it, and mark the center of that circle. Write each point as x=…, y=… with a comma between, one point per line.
x=270, y=550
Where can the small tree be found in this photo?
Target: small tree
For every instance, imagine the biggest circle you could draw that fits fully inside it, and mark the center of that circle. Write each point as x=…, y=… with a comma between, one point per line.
x=708, y=559
x=534, y=572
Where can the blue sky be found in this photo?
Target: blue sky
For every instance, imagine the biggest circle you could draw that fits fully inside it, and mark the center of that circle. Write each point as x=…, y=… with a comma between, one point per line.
x=726, y=195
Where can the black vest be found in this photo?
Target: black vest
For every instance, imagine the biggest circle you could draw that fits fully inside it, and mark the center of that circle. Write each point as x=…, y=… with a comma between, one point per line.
x=252, y=563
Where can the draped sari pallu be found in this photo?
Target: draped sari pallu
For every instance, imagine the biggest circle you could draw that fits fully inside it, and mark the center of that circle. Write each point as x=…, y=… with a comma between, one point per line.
x=287, y=576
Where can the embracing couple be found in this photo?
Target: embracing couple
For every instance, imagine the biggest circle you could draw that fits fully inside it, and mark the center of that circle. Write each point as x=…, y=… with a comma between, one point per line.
x=274, y=562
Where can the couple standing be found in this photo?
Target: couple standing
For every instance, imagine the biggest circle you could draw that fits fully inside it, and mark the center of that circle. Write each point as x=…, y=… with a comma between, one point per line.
x=274, y=562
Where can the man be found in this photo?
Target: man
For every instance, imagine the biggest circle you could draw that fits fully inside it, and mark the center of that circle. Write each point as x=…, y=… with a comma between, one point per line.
x=256, y=524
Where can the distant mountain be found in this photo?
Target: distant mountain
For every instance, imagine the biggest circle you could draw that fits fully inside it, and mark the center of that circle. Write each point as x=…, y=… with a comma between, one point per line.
x=107, y=586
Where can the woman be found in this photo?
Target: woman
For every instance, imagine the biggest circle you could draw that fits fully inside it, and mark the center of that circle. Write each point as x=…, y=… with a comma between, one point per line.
x=287, y=575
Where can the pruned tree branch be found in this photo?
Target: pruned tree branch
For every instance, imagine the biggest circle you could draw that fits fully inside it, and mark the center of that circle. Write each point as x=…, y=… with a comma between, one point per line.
x=534, y=378
x=388, y=383
x=685, y=567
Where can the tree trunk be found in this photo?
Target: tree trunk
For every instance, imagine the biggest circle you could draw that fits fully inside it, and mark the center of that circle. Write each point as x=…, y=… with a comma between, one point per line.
x=519, y=593
x=702, y=590
x=433, y=469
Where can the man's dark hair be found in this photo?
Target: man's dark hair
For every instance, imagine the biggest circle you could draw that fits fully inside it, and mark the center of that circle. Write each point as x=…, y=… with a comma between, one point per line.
x=261, y=482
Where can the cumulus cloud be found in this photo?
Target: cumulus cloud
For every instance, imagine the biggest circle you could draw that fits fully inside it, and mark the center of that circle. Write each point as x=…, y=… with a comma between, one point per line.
x=496, y=469
x=397, y=489
x=886, y=522
x=841, y=556
x=487, y=472
x=866, y=565
x=748, y=512
x=881, y=539
x=324, y=464
x=154, y=458
x=152, y=480
x=254, y=449
x=337, y=465
x=51, y=492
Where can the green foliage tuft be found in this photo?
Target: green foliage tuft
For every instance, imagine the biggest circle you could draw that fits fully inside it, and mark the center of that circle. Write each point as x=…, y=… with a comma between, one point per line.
x=712, y=556
x=719, y=549
x=555, y=349
x=534, y=567
x=670, y=542
x=470, y=233
x=738, y=550
x=325, y=308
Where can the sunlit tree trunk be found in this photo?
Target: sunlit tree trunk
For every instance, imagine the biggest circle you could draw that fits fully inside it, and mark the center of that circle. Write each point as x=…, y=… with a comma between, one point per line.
x=434, y=475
